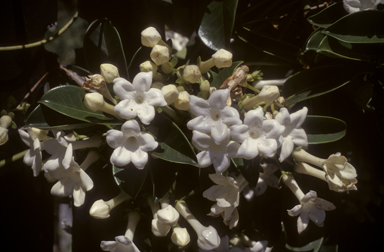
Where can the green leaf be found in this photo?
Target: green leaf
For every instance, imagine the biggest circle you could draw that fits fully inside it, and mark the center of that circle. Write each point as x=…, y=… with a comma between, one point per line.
x=360, y=52
x=359, y=27
x=319, y=81
x=102, y=44
x=43, y=117
x=250, y=169
x=173, y=144
x=323, y=129
x=129, y=178
x=224, y=74
x=315, y=245
x=270, y=46
x=68, y=100
x=163, y=175
x=314, y=40
x=328, y=16
x=217, y=24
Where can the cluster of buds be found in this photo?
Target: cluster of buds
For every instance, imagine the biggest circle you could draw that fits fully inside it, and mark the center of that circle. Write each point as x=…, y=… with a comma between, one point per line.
x=160, y=53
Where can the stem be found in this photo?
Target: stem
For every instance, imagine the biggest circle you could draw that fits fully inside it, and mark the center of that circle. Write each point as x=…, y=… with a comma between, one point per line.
x=92, y=157
x=304, y=168
x=94, y=141
x=120, y=198
x=164, y=202
x=154, y=207
x=204, y=66
x=182, y=208
x=133, y=220
x=303, y=156
x=291, y=183
x=44, y=41
x=246, y=85
x=15, y=157
x=109, y=109
x=262, y=83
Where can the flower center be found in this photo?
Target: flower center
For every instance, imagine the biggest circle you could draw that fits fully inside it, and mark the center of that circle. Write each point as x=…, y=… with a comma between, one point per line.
x=216, y=115
x=254, y=134
x=139, y=100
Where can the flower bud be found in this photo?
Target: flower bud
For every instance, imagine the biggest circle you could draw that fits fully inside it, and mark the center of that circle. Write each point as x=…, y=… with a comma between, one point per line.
x=167, y=67
x=5, y=121
x=160, y=229
x=150, y=37
x=40, y=134
x=191, y=73
x=180, y=236
x=160, y=54
x=95, y=102
x=180, y=88
x=269, y=94
x=204, y=89
x=168, y=215
x=157, y=84
x=109, y=72
x=182, y=102
x=94, y=82
x=170, y=93
x=148, y=66
x=222, y=58
x=100, y=209
x=3, y=135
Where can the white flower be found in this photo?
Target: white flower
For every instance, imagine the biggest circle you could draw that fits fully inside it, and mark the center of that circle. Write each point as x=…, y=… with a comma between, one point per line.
x=213, y=116
x=160, y=229
x=137, y=99
x=359, y=5
x=72, y=181
x=33, y=156
x=339, y=172
x=130, y=144
x=293, y=133
x=256, y=135
x=211, y=153
x=207, y=237
x=122, y=244
x=168, y=215
x=310, y=208
x=180, y=236
x=266, y=178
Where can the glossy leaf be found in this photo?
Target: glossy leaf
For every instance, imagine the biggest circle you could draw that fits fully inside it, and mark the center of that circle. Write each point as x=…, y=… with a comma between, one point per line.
x=270, y=46
x=224, y=74
x=173, y=144
x=323, y=129
x=217, y=24
x=361, y=52
x=328, y=16
x=359, y=27
x=43, y=117
x=314, y=40
x=250, y=169
x=163, y=175
x=68, y=100
x=102, y=44
x=319, y=81
x=129, y=178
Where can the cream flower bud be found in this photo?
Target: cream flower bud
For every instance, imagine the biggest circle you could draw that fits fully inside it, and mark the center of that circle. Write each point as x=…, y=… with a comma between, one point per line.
x=191, y=73
x=5, y=121
x=182, y=102
x=168, y=215
x=148, y=66
x=97, y=82
x=3, y=135
x=160, y=229
x=180, y=236
x=204, y=89
x=100, y=209
x=180, y=88
x=95, y=102
x=167, y=67
x=222, y=58
x=109, y=72
x=157, y=85
x=40, y=134
x=208, y=238
x=170, y=93
x=150, y=37
x=268, y=95
x=160, y=54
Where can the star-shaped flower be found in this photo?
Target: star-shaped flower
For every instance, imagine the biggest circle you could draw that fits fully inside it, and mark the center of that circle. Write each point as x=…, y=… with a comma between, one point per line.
x=211, y=153
x=311, y=207
x=130, y=144
x=256, y=135
x=72, y=181
x=293, y=133
x=212, y=116
x=138, y=98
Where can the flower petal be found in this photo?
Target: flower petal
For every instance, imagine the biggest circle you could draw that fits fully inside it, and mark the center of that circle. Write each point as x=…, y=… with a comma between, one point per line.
x=120, y=157
x=219, y=132
x=142, y=81
x=296, y=210
x=248, y=149
x=218, y=99
x=155, y=97
x=230, y=116
x=122, y=88
x=239, y=132
x=114, y=138
x=198, y=106
x=201, y=123
x=146, y=113
x=299, y=137
x=139, y=158
x=302, y=222
x=201, y=141
x=147, y=142
x=204, y=159
x=286, y=148
x=317, y=216
x=126, y=109
x=298, y=117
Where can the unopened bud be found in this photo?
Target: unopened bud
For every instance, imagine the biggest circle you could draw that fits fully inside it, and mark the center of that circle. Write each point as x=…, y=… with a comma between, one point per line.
x=170, y=93
x=168, y=215
x=191, y=73
x=5, y=121
x=157, y=84
x=204, y=89
x=95, y=102
x=222, y=58
x=167, y=67
x=100, y=210
x=150, y=37
x=109, y=72
x=269, y=94
x=94, y=82
x=182, y=102
x=180, y=88
x=160, y=54
x=148, y=66
x=40, y=134
x=160, y=229
x=3, y=135
x=180, y=236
